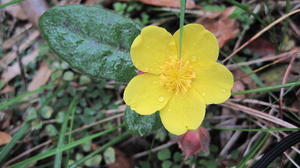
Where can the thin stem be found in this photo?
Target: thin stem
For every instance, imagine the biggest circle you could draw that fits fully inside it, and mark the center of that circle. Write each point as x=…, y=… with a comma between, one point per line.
x=10, y=3
x=264, y=89
x=245, y=8
x=182, y=12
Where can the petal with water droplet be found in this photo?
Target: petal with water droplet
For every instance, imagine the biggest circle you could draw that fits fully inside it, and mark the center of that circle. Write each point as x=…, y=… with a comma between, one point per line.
x=144, y=97
x=183, y=112
x=215, y=81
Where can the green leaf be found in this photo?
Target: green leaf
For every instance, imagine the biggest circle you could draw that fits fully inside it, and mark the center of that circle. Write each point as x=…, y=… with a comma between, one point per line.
x=141, y=124
x=164, y=154
x=109, y=155
x=92, y=40
x=166, y=164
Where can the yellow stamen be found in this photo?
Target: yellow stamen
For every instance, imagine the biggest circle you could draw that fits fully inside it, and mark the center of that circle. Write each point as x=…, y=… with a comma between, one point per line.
x=177, y=75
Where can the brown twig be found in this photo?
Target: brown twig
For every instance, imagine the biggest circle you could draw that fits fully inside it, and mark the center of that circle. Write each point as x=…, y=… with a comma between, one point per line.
x=284, y=80
x=259, y=114
x=27, y=152
x=260, y=33
x=141, y=154
x=254, y=101
x=268, y=58
x=22, y=69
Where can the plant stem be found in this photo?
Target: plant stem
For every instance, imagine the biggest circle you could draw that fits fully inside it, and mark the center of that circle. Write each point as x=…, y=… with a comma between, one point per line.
x=264, y=89
x=182, y=13
x=10, y=3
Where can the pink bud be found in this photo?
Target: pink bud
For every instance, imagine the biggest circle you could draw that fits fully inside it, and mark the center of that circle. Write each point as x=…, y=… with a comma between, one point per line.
x=194, y=141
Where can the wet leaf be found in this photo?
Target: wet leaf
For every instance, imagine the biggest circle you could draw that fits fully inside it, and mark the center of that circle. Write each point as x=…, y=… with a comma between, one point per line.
x=141, y=124
x=109, y=155
x=92, y=40
x=262, y=47
x=164, y=154
x=221, y=25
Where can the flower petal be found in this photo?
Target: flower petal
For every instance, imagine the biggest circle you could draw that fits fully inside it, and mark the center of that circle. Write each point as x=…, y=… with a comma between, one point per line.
x=183, y=112
x=198, y=44
x=214, y=82
x=151, y=48
x=145, y=95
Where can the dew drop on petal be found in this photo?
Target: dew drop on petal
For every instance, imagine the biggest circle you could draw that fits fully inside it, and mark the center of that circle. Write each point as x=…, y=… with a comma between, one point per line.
x=161, y=98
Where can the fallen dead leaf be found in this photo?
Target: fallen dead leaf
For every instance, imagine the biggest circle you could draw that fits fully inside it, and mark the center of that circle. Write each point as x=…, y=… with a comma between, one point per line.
x=7, y=59
x=169, y=3
x=121, y=161
x=4, y=138
x=29, y=40
x=262, y=47
x=14, y=70
x=7, y=89
x=34, y=9
x=221, y=25
x=41, y=77
x=15, y=10
x=17, y=36
x=91, y=2
x=238, y=86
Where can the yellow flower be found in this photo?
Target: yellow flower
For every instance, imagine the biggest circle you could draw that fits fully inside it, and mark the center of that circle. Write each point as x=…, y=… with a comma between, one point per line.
x=181, y=87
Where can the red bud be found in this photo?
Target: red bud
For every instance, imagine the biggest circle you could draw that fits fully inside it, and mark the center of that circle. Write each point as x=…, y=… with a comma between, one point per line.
x=194, y=141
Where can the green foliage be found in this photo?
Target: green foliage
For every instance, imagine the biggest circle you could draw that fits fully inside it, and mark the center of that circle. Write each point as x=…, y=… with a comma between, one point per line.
x=51, y=130
x=141, y=124
x=214, y=8
x=92, y=40
x=94, y=161
x=166, y=164
x=164, y=154
x=242, y=16
x=109, y=155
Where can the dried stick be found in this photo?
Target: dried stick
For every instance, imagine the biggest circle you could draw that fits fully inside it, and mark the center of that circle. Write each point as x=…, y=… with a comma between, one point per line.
x=260, y=33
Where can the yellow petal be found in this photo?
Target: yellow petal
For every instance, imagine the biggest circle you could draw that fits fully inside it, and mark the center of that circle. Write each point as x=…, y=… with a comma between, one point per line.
x=183, y=112
x=151, y=48
x=145, y=95
x=198, y=44
x=213, y=81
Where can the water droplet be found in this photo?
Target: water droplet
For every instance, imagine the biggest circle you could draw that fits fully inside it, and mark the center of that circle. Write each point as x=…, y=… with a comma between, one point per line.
x=161, y=98
x=194, y=58
x=203, y=94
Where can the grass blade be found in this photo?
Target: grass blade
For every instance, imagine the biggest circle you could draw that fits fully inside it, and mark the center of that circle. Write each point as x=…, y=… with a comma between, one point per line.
x=7, y=148
x=21, y=96
x=182, y=12
x=10, y=3
x=264, y=89
x=63, y=130
x=255, y=129
x=61, y=149
x=256, y=147
x=69, y=140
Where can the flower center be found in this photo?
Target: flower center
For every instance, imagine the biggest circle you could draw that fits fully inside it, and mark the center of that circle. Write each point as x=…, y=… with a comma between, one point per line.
x=177, y=75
